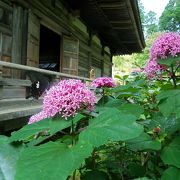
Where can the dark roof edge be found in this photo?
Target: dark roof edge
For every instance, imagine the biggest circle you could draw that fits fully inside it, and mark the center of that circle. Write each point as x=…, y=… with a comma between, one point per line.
x=135, y=8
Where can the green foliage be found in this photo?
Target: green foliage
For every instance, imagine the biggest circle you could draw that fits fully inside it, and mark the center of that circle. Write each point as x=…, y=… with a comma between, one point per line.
x=50, y=161
x=170, y=19
x=151, y=23
x=170, y=154
x=171, y=173
x=133, y=133
x=111, y=125
x=170, y=102
x=9, y=155
x=143, y=142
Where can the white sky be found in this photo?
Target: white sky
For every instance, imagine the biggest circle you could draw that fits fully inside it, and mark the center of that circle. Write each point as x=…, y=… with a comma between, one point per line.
x=155, y=5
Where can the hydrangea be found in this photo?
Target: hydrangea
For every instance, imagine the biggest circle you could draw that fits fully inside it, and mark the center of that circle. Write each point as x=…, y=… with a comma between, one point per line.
x=66, y=98
x=168, y=44
x=152, y=68
x=103, y=82
x=37, y=117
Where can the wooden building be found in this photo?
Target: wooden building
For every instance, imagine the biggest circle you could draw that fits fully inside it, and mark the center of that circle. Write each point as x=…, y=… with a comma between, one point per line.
x=67, y=36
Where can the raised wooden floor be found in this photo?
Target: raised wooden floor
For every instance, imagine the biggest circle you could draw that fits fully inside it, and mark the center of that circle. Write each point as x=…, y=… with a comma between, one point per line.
x=14, y=113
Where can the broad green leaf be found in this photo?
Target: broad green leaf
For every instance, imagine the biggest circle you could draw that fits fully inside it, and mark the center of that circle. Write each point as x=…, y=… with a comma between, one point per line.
x=169, y=60
x=143, y=142
x=170, y=102
x=167, y=125
x=171, y=173
x=133, y=109
x=171, y=154
x=52, y=125
x=8, y=157
x=60, y=123
x=124, y=88
x=111, y=125
x=51, y=161
x=30, y=130
x=168, y=93
x=114, y=103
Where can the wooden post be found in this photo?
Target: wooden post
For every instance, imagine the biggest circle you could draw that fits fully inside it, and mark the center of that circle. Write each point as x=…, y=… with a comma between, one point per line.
x=1, y=86
x=17, y=37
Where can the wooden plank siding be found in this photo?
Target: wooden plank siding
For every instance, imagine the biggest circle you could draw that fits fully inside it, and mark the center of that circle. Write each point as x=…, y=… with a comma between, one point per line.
x=65, y=24
x=22, y=34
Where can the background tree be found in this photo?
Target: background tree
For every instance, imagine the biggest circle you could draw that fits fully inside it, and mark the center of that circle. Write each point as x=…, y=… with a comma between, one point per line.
x=170, y=18
x=142, y=13
x=150, y=23
x=141, y=58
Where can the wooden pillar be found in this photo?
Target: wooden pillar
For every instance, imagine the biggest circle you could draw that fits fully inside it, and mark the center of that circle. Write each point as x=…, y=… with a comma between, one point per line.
x=17, y=37
x=102, y=61
x=89, y=53
x=1, y=87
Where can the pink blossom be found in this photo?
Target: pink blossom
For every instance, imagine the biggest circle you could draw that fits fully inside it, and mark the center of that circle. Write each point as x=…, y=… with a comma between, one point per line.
x=168, y=44
x=67, y=98
x=37, y=117
x=152, y=68
x=103, y=82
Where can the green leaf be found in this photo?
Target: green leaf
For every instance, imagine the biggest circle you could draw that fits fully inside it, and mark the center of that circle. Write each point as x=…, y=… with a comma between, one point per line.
x=167, y=125
x=124, y=88
x=8, y=157
x=51, y=161
x=60, y=123
x=168, y=93
x=30, y=130
x=111, y=125
x=133, y=109
x=170, y=102
x=169, y=60
x=171, y=173
x=114, y=103
x=53, y=125
x=170, y=154
x=143, y=142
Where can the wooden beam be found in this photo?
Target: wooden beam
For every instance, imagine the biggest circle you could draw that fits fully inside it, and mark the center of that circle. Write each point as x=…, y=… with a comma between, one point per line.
x=121, y=22
x=110, y=5
x=122, y=27
x=43, y=71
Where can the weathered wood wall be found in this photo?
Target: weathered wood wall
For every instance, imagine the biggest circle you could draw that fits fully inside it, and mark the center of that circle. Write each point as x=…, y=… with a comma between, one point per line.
x=20, y=37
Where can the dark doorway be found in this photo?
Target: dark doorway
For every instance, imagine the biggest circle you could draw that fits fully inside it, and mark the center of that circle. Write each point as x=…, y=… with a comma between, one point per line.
x=49, y=55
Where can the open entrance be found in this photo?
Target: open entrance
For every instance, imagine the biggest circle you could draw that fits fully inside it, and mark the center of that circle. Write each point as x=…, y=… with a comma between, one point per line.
x=49, y=54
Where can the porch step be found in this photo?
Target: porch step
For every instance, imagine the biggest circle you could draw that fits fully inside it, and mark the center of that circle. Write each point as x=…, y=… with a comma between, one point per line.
x=14, y=113
x=19, y=112
x=7, y=103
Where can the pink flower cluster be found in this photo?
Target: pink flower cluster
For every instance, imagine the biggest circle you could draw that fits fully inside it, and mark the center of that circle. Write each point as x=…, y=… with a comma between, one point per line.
x=103, y=82
x=37, y=117
x=152, y=68
x=66, y=98
x=168, y=44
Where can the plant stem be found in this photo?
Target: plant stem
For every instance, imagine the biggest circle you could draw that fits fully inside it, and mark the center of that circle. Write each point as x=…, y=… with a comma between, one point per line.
x=73, y=142
x=173, y=76
x=72, y=133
